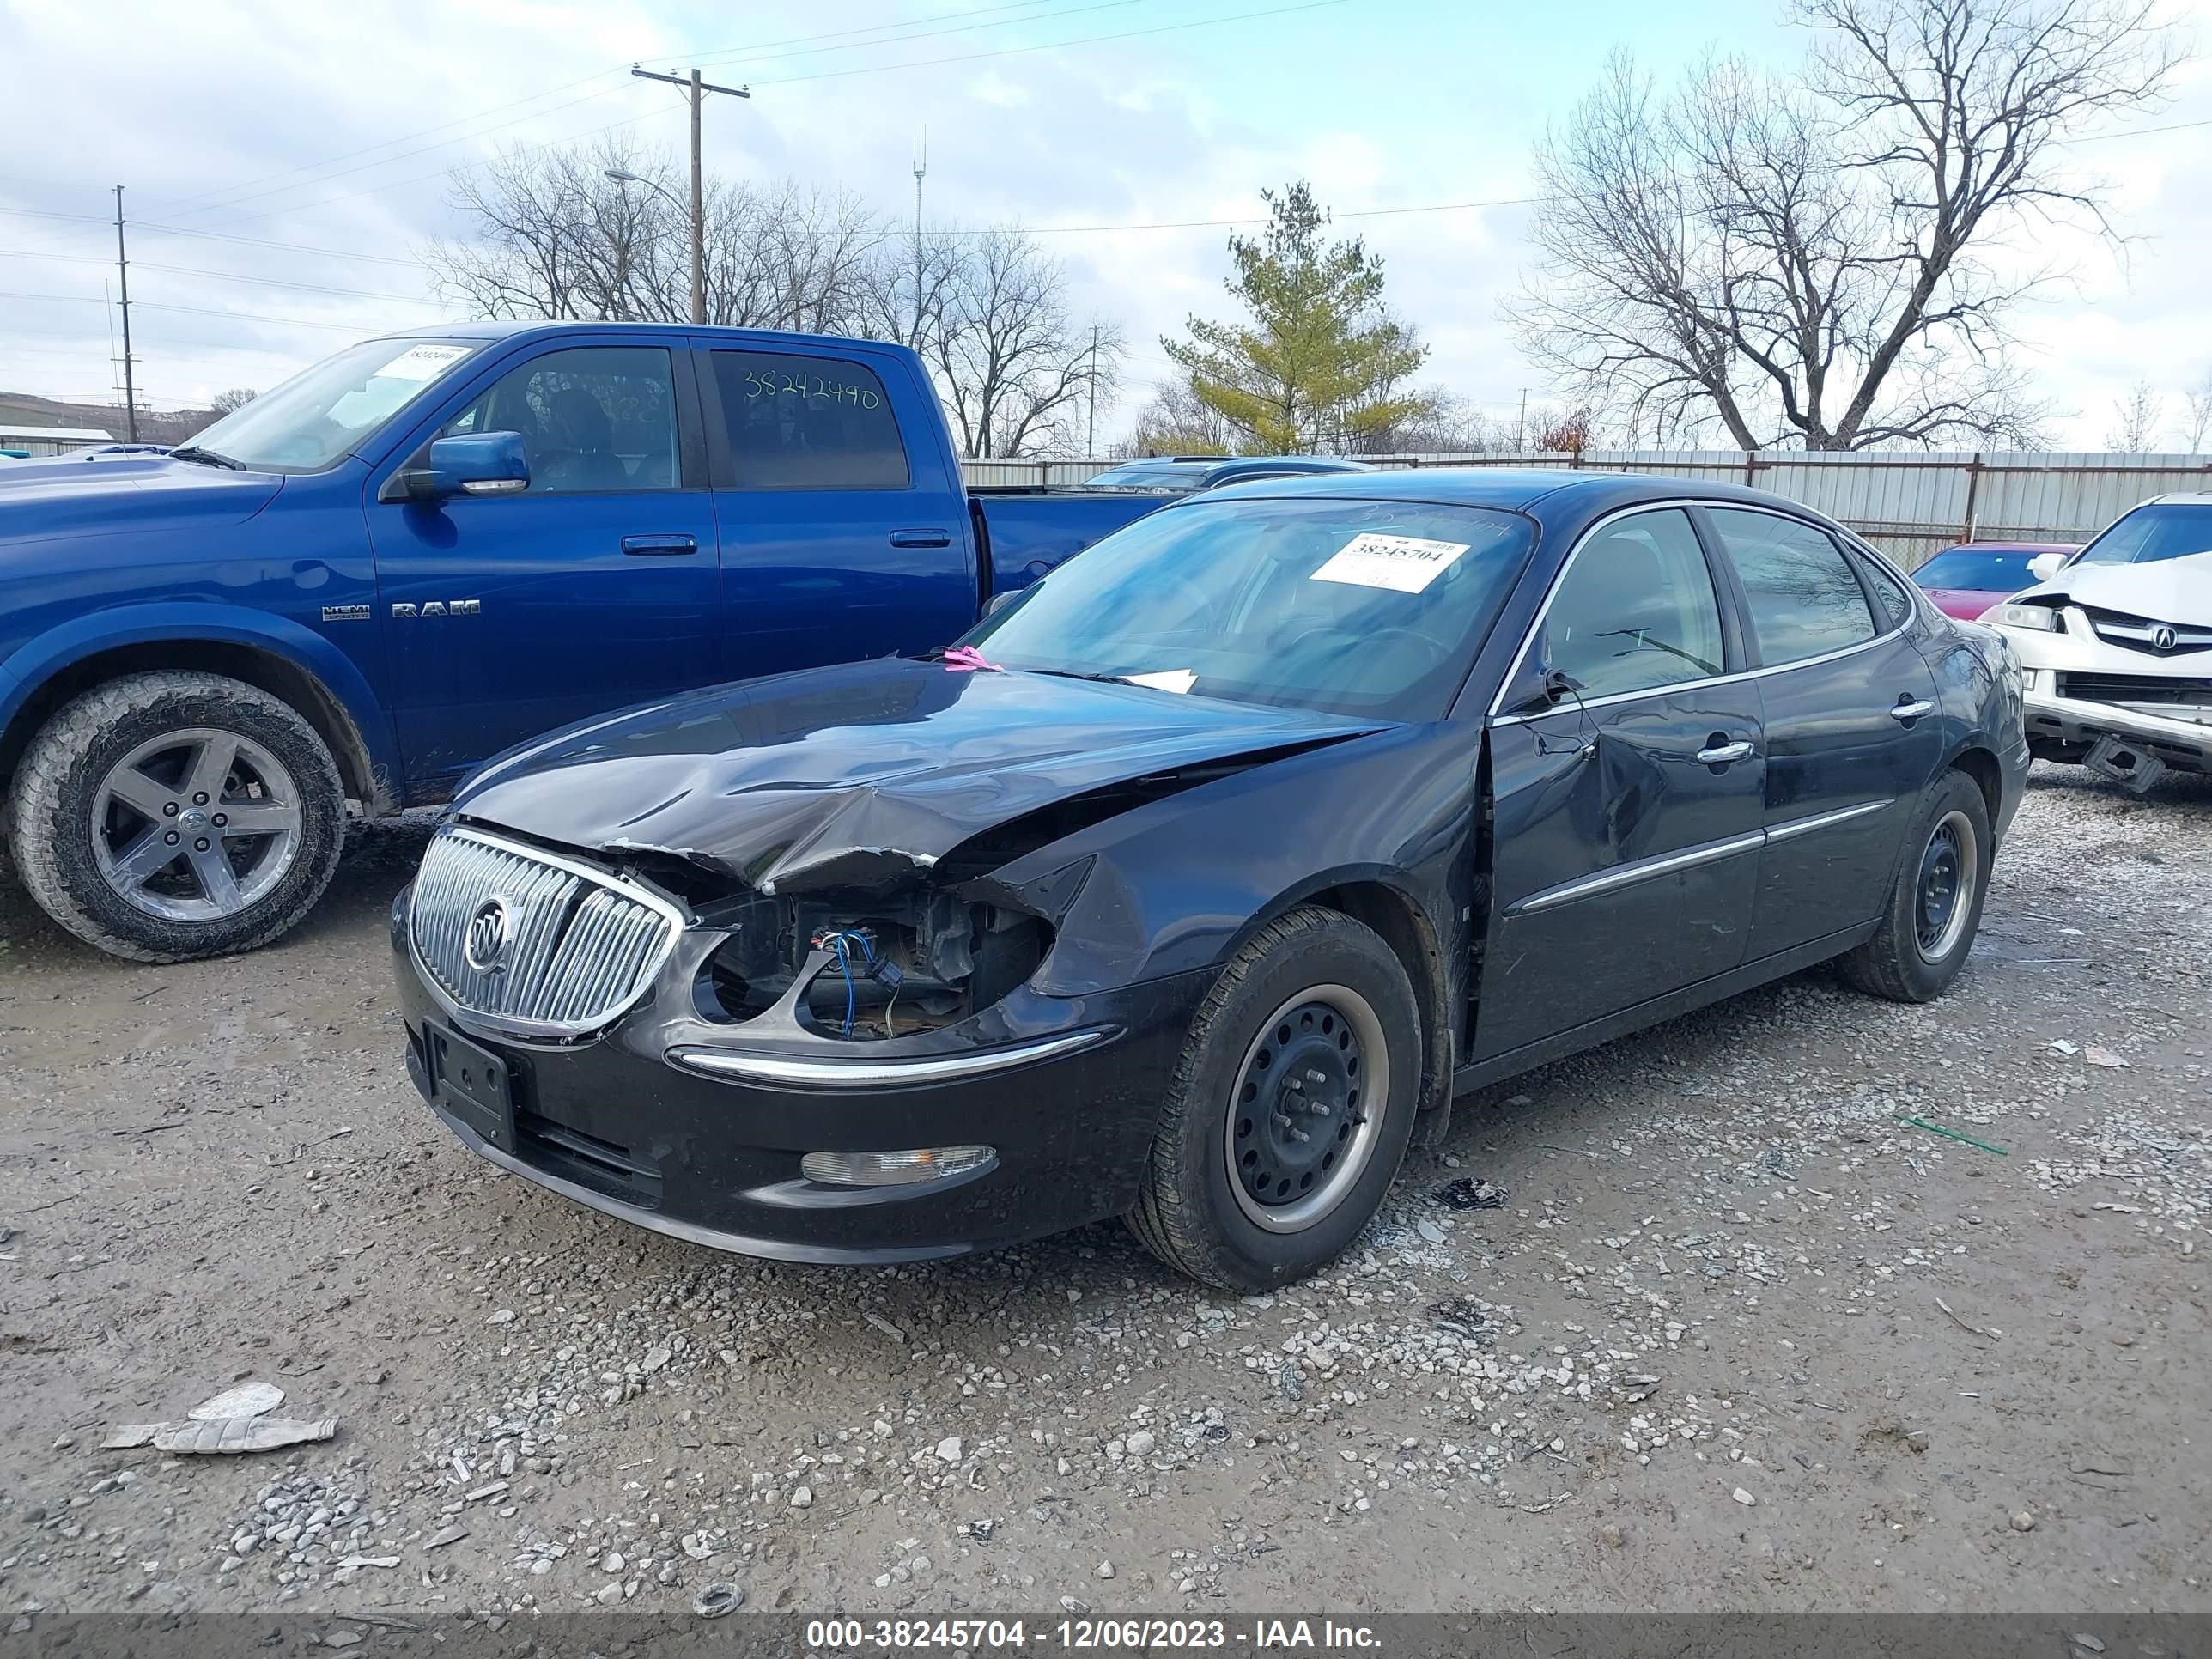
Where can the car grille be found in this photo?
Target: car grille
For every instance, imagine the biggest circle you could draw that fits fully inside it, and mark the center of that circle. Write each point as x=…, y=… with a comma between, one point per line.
x=2142, y=633
x=2173, y=699
x=580, y=946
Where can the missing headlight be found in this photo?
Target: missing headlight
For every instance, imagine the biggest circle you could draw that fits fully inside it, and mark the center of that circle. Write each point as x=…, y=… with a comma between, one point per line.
x=881, y=967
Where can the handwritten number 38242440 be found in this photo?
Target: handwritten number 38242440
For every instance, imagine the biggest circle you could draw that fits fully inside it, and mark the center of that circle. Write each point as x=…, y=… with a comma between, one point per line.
x=771, y=384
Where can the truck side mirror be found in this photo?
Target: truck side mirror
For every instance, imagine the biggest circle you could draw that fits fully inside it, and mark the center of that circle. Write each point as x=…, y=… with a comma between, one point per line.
x=2043, y=566
x=471, y=464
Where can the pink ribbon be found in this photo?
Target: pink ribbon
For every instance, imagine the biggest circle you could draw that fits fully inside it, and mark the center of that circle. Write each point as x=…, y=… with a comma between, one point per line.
x=967, y=659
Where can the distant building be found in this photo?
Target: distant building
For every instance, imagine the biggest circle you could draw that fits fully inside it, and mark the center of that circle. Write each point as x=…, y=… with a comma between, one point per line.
x=52, y=439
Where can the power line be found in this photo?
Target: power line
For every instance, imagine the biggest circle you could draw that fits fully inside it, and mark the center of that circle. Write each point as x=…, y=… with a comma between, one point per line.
x=1052, y=46
x=756, y=55
x=826, y=75
x=217, y=276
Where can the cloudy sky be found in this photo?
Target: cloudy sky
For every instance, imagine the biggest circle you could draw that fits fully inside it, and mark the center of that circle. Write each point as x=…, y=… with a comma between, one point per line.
x=284, y=162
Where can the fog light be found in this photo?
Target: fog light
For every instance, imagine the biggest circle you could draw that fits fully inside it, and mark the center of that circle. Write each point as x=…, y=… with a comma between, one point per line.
x=896, y=1169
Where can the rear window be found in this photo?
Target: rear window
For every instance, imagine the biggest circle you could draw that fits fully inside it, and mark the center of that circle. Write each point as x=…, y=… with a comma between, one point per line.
x=2169, y=529
x=1975, y=572
x=808, y=423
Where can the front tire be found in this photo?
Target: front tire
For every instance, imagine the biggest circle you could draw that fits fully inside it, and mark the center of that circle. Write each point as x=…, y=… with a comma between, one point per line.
x=1290, y=1107
x=1934, y=906
x=169, y=816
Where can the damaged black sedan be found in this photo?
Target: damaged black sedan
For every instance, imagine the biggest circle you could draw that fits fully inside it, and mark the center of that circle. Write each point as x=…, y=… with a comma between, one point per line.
x=1198, y=879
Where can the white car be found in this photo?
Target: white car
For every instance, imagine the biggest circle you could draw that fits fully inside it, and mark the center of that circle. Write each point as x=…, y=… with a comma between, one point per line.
x=2117, y=646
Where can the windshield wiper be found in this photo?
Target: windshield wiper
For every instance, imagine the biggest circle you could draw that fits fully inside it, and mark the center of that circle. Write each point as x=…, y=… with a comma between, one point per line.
x=1073, y=674
x=207, y=458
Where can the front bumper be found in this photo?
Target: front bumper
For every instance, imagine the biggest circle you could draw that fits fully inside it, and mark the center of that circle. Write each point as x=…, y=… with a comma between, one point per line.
x=2053, y=716
x=609, y=1122
x=2058, y=711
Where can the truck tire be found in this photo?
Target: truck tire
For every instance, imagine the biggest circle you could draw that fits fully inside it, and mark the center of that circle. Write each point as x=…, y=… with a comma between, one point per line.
x=169, y=816
x=1290, y=1110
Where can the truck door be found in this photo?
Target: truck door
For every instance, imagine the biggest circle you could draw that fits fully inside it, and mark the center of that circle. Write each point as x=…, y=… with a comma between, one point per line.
x=594, y=588
x=843, y=522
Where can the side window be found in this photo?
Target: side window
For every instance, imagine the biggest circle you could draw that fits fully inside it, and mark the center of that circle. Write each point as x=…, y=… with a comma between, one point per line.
x=595, y=418
x=1637, y=609
x=1896, y=604
x=1805, y=598
x=808, y=423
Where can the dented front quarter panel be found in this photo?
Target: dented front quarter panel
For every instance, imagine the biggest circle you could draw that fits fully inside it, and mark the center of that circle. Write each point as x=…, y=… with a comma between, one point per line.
x=1177, y=885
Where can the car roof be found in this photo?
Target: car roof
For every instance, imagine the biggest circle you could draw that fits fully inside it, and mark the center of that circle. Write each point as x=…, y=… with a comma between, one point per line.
x=1515, y=489
x=478, y=328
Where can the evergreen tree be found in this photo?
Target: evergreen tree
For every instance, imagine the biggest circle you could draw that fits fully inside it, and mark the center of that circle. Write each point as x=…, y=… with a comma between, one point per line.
x=1320, y=361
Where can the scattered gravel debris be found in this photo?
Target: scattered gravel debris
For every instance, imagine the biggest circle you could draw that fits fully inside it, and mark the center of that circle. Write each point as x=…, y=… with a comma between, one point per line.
x=1712, y=1257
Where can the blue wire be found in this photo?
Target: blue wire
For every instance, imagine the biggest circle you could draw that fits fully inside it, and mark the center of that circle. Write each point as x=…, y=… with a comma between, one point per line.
x=837, y=942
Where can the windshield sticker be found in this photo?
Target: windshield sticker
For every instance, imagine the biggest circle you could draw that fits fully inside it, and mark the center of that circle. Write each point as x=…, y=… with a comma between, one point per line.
x=422, y=363
x=1406, y=564
x=1177, y=680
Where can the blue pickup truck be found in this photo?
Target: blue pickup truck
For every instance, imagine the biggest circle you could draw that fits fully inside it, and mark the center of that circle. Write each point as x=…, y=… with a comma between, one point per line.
x=432, y=546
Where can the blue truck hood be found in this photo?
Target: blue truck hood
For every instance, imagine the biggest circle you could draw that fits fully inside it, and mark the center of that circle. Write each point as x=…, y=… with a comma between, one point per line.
x=92, y=493
x=861, y=773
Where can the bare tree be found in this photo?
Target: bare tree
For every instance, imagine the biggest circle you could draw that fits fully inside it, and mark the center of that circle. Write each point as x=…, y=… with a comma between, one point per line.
x=1018, y=373
x=555, y=236
x=2134, y=420
x=2197, y=405
x=1829, y=262
x=1175, y=420
x=236, y=397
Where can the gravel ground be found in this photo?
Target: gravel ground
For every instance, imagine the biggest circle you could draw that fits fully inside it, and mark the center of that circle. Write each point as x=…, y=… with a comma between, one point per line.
x=1692, y=1322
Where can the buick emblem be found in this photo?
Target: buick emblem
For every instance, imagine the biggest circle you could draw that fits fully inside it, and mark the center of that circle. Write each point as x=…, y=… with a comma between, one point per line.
x=2162, y=638
x=483, y=946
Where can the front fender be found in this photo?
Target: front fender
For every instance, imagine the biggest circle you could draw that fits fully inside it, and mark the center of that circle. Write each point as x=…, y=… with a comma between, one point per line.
x=161, y=621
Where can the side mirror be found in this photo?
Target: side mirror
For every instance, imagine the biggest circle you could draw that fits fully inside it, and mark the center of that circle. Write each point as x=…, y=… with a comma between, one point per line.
x=2043, y=566
x=473, y=464
x=999, y=602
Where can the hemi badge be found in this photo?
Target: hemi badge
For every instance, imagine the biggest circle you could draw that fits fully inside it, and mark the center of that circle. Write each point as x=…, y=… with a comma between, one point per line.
x=345, y=613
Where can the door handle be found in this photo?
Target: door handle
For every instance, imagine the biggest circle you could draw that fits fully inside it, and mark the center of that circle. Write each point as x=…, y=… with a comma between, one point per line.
x=1909, y=710
x=1722, y=754
x=659, y=546
x=921, y=538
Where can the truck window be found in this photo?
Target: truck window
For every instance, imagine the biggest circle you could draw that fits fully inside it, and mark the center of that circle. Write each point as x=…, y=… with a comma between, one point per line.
x=808, y=423
x=593, y=418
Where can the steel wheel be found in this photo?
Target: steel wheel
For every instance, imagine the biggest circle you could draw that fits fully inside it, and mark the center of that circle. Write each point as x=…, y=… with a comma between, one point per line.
x=196, y=824
x=1307, y=1107
x=1950, y=865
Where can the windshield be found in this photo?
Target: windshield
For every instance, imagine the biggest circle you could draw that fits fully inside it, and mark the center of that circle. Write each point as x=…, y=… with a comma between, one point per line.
x=322, y=413
x=1974, y=571
x=1352, y=607
x=2171, y=530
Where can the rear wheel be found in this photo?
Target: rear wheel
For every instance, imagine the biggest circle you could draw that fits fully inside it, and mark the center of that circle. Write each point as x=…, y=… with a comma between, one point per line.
x=1290, y=1107
x=1934, y=906
x=171, y=815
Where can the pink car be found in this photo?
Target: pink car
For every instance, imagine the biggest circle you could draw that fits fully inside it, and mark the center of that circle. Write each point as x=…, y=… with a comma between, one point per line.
x=1968, y=579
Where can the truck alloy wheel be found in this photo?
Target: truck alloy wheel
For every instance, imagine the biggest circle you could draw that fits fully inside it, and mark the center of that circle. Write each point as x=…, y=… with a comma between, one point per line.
x=171, y=815
x=196, y=824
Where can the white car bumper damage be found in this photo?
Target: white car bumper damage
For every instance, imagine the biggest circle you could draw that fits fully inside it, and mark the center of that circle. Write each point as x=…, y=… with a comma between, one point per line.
x=2122, y=682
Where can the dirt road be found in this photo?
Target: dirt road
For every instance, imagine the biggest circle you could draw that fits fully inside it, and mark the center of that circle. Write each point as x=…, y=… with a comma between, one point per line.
x=1719, y=1331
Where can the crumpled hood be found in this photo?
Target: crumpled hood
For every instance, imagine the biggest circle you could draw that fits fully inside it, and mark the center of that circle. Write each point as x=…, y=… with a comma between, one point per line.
x=132, y=490
x=858, y=773
x=2164, y=590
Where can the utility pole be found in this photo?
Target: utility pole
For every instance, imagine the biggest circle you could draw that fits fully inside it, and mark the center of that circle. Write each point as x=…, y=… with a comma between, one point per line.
x=1521, y=427
x=123, y=282
x=696, y=91
x=1091, y=443
x=920, y=167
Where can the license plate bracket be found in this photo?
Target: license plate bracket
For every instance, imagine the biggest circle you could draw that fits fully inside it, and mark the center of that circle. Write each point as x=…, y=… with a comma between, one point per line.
x=473, y=1082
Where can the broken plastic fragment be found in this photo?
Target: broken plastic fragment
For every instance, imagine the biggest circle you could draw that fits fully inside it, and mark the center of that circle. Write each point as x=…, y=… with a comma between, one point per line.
x=226, y=1436
x=967, y=659
x=246, y=1400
